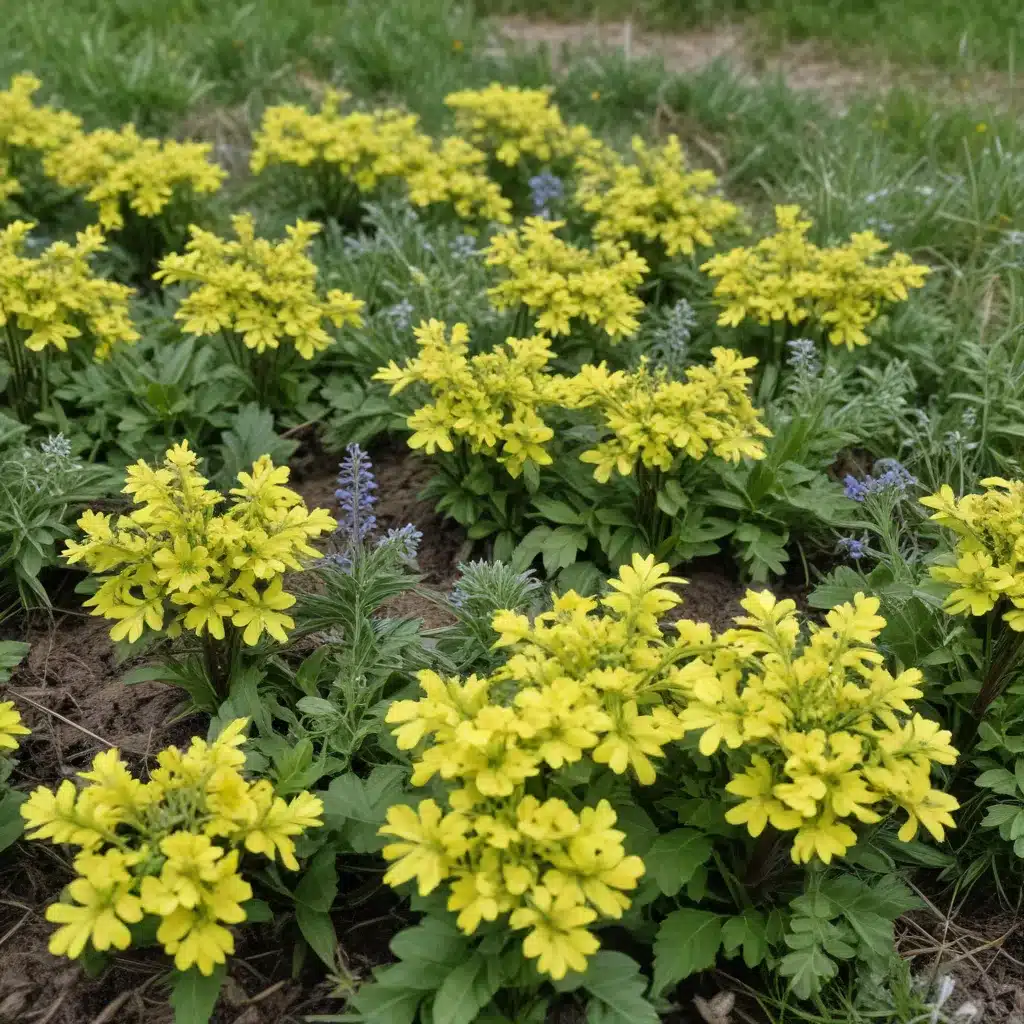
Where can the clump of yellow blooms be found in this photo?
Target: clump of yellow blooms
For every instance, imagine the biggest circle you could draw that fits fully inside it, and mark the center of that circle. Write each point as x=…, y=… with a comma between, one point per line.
x=170, y=848
x=11, y=727
x=454, y=173
x=489, y=400
x=826, y=730
x=26, y=128
x=370, y=149
x=513, y=123
x=655, y=198
x=175, y=564
x=987, y=566
x=365, y=147
x=263, y=292
x=119, y=169
x=652, y=418
x=785, y=277
x=576, y=685
x=55, y=297
x=561, y=283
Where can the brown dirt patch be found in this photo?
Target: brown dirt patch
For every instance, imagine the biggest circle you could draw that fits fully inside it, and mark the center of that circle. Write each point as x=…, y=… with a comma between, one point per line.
x=804, y=65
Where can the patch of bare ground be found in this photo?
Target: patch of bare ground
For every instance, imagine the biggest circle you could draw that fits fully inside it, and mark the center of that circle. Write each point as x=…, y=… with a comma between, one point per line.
x=804, y=65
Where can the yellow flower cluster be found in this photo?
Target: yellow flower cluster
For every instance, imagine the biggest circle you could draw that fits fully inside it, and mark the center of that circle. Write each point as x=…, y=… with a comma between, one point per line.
x=24, y=127
x=454, y=173
x=11, y=727
x=827, y=730
x=655, y=198
x=576, y=684
x=562, y=283
x=490, y=400
x=118, y=168
x=369, y=149
x=256, y=289
x=365, y=147
x=826, y=727
x=987, y=567
x=653, y=418
x=169, y=847
x=786, y=277
x=55, y=297
x=513, y=123
x=173, y=563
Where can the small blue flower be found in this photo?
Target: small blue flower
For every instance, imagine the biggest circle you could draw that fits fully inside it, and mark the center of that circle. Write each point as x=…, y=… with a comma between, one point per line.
x=889, y=474
x=57, y=446
x=356, y=499
x=803, y=356
x=400, y=314
x=671, y=340
x=405, y=540
x=854, y=548
x=464, y=247
x=545, y=188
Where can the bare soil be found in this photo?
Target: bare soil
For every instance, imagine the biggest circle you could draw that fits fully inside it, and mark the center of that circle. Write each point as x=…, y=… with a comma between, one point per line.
x=805, y=65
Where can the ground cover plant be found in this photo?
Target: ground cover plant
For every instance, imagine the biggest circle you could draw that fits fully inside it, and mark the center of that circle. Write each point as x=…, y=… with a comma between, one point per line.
x=497, y=535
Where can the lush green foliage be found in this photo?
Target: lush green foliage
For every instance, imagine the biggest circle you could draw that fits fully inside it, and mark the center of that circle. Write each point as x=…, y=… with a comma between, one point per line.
x=575, y=305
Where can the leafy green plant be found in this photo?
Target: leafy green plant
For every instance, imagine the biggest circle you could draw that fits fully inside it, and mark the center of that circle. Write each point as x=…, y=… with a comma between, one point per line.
x=42, y=489
x=12, y=730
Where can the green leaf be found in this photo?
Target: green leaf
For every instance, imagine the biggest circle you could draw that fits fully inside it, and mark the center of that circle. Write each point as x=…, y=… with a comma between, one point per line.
x=11, y=822
x=318, y=886
x=999, y=780
x=557, y=511
x=464, y=992
x=807, y=970
x=747, y=932
x=675, y=856
x=194, y=995
x=318, y=930
x=617, y=988
x=378, y=1003
x=433, y=941
x=358, y=806
x=561, y=547
x=687, y=942
x=11, y=654
x=999, y=814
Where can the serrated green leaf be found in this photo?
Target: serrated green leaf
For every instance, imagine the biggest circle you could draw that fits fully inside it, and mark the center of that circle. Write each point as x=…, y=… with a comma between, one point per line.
x=674, y=857
x=687, y=942
x=807, y=970
x=999, y=780
x=747, y=932
x=617, y=988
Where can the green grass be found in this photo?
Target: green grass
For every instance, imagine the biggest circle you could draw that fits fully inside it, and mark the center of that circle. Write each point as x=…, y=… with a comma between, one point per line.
x=945, y=33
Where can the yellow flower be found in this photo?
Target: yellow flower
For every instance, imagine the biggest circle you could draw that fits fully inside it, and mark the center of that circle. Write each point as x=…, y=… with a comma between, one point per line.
x=823, y=838
x=119, y=170
x=277, y=821
x=11, y=726
x=558, y=938
x=174, y=563
x=263, y=292
x=656, y=198
x=55, y=297
x=429, y=844
x=759, y=808
x=784, y=277
x=101, y=907
x=563, y=283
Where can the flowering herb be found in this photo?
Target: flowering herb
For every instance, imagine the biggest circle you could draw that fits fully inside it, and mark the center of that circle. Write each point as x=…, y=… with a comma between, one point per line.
x=545, y=189
x=355, y=496
x=822, y=736
x=561, y=283
x=887, y=475
x=784, y=277
x=170, y=849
